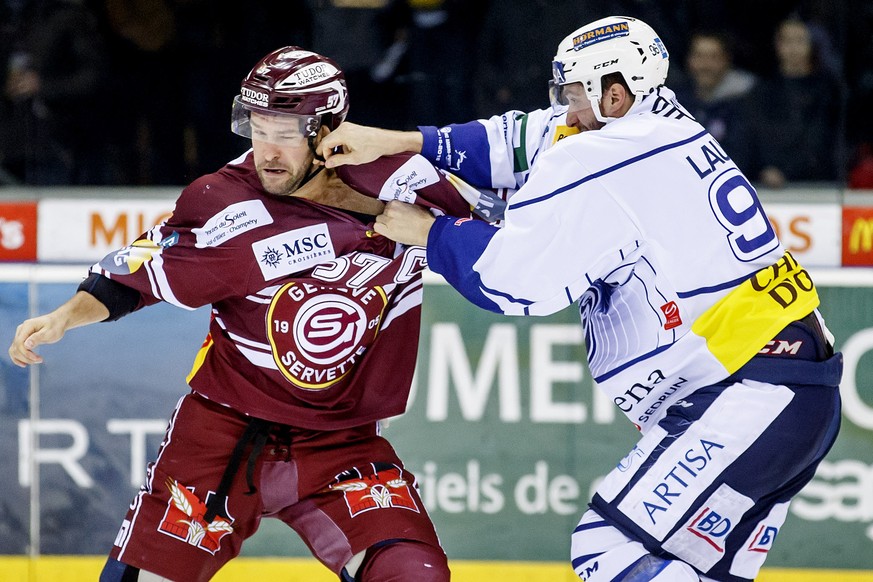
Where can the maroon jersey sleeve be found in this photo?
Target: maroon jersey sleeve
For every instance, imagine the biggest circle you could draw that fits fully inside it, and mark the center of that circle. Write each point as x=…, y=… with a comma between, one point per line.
x=409, y=178
x=191, y=259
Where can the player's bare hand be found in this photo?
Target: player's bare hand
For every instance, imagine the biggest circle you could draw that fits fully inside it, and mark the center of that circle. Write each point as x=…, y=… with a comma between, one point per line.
x=405, y=223
x=359, y=144
x=81, y=309
x=45, y=329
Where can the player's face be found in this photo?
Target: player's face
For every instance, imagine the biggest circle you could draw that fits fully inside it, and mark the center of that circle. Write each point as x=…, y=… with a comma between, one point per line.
x=282, y=154
x=580, y=114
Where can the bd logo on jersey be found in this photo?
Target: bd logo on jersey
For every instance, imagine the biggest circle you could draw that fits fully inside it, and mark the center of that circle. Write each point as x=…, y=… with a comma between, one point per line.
x=184, y=521
x=712, y=527
x=317, y=333
x=763, y=539
x=387, y=488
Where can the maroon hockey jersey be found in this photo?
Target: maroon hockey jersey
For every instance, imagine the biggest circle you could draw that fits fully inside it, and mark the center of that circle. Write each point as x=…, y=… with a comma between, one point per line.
x=315, y=317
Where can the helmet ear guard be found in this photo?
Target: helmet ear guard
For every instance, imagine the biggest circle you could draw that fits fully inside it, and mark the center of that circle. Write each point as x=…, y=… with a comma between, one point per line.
x=616, y=44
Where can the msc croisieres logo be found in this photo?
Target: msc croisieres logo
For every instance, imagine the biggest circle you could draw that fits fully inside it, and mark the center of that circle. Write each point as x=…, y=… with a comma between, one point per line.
x=293, y=251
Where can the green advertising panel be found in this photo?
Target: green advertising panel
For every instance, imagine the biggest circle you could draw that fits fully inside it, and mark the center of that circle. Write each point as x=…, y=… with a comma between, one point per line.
x=508, y=436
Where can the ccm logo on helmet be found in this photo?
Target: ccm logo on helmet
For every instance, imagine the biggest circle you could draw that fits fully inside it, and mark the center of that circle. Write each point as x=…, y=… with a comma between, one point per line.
x=258, y=98
x=606, y=64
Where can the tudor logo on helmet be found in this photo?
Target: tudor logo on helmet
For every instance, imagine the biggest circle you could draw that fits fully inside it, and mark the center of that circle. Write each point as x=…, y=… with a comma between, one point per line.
x=310, y=75
x=258, y=98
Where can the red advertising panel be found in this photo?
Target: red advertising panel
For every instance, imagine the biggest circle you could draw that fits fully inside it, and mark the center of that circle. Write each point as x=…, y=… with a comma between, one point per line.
x=858, y=236
x=810, y=231
x=17, y=231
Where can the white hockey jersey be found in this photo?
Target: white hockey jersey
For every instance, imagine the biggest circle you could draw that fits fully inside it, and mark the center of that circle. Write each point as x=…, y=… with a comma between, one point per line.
x=647, y=225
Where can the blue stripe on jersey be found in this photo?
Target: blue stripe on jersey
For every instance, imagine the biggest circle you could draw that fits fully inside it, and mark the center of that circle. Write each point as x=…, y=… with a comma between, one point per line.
x=590, y=525
x=576, y=562
x=611, y=169
x=630, y=363
x=649, y=299
x=519, y=300
x=458, y=148
x=713, y=288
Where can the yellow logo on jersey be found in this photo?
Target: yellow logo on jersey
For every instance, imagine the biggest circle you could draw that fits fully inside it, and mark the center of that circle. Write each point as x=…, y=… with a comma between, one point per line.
x=563, y=131
x=128, y=260
x=200, y=357
x=748, y=317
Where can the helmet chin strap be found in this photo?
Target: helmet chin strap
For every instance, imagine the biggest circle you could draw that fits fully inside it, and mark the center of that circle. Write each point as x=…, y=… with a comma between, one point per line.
x=595, y=106
x=311, y=142
x=312, y=172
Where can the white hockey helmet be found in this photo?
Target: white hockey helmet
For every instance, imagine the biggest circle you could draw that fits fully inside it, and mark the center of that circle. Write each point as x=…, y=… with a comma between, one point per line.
x=616, y=44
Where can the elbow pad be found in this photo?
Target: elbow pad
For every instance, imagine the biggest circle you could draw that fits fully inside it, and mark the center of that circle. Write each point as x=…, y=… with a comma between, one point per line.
x=118, y=299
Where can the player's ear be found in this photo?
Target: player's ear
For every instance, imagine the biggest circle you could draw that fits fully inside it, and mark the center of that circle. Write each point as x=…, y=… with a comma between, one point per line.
x=617, y=100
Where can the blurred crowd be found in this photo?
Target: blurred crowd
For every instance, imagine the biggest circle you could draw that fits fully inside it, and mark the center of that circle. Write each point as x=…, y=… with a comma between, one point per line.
x=138, y=92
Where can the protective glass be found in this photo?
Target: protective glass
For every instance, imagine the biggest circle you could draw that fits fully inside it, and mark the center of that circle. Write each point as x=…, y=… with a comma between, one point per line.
x=556, y=89
x=556, y=95
x=282, y=129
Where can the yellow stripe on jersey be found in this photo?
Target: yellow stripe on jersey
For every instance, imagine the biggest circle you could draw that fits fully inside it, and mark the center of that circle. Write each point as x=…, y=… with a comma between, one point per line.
x=743, y=321
x=200, y=357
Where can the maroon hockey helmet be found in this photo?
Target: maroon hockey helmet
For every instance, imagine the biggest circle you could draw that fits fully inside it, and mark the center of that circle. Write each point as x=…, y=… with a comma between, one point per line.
x=293, y=82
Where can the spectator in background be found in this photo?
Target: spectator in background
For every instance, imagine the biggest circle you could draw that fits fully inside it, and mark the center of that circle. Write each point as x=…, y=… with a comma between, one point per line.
x=859, y=75
x=791, y=125
x=715, y=87
x=514, y=56
x=518, y=39
x=442, y=47
x=215, y=41
x=147, y=92
x=52, y=62
x=363, y=36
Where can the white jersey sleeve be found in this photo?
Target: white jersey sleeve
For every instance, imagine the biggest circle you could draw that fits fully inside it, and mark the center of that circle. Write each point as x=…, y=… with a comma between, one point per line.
x=497, y=152
x=651, y=228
